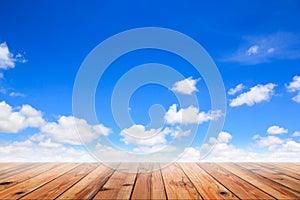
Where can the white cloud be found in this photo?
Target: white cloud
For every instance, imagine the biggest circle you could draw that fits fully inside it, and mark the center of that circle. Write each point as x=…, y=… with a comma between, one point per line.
x=186, y=86
x=256, y=94
x=266, y=48
x=296, y=133
x=252, y=50
x=276, y=130
x=270, y=141
x=44, y=151
x=297, y=98
x=12, y=121
x=7, y=59
x=138, y=135
x=190, y=154
x=271, y=50
x=68, y=127
x=152, y=140
x=190, y=115
x=16, y=94
x=222, y=150
x=294, y=86
x=277, y=150
x=237, y=89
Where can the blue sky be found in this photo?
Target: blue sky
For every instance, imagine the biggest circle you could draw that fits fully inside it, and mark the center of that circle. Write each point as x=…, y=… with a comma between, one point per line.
x=254, y=44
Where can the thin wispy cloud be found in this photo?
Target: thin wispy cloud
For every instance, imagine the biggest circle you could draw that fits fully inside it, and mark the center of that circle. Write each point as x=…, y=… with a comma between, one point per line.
x=238, y=88
x=266, y=48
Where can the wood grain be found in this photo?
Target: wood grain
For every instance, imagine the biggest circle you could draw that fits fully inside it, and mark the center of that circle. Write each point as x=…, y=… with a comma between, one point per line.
x=88, y=187
x=237, y=185
x=208, y=187
x=177, y=184
x=276, y=190
x=29, y=185
x=148, y=181
x=277, y=177
x=54, y=188
x=120, y=184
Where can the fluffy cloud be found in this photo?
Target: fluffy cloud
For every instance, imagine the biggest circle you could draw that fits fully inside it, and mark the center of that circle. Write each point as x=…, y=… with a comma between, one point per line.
x=296, y=133
x=7, y=59
x=190, y=154
x=67, y=129
x=186, y=86
x=43, y=151
x=222, y=150
x=237, y=89
x=190, y=115
x=278, y=150
x=15, y=120
x=294, y=86
x=256, y=94
x=276, y=130
x=138, y=135
x=270, y=141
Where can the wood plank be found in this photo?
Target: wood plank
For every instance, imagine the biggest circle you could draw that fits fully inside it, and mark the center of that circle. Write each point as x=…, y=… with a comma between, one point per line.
x=157, y=187
x=288, y=166
x=17, y=169
x=8, y=166
x=238, y=186
x=177, y=184
x=54, y=188
x=120, y=184
x=29, y=185
x=274, y=176
x=25, y=175
x=280, y=170
x=207, y=186
x=142, y=189
x=276, y=190
x=88, y=187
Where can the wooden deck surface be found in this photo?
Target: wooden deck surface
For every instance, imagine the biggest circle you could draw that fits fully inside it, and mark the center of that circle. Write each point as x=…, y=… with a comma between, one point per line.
x=176, y=181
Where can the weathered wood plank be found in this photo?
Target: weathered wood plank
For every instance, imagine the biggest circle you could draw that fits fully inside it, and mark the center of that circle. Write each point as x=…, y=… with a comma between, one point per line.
x=237, y=185
x=25, y=175
x=207, y=186
x=17, y=169
x=157, y=187
x=54, y=188
x=177, y=184
x=88, y=187
x=33, y=183
x=9, y=166
x=120, y=184
x=276, y=190
x=280, y=170
x=288, y=166
x=280, y=178
x=143, y=184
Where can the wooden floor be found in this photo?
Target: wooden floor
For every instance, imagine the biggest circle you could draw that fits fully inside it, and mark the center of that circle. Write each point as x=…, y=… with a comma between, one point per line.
x=176, y=181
